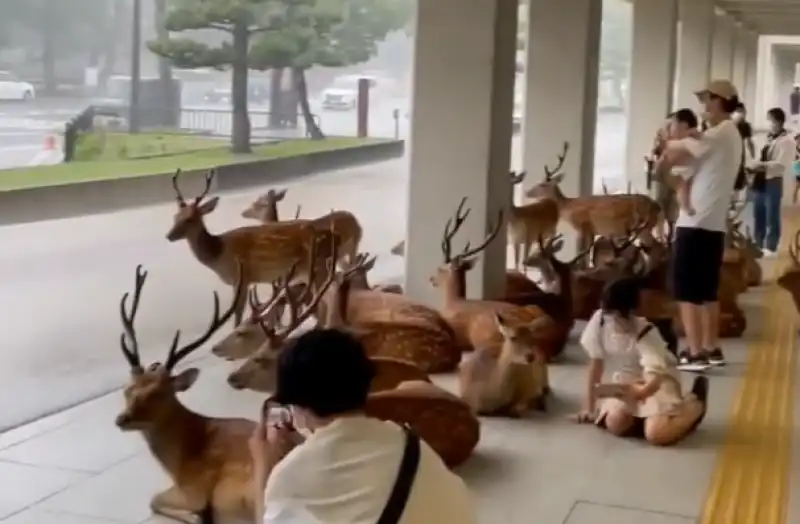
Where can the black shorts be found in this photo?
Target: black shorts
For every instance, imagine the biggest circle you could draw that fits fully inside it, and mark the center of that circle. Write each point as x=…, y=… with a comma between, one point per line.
x=696, y=264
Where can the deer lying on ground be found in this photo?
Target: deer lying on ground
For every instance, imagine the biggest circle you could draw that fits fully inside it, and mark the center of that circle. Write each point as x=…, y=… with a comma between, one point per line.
x=529, y=221
x=206, y=458
x=343, y=223
x=265, y=252
x=790, y=279
x=508, y=383
x=473, y=321
x=606, y=215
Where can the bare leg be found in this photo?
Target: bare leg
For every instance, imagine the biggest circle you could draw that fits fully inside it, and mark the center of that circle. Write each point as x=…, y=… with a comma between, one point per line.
x=692, y=326
x=666, y=430
x=174, y=504
x=618, y=421
x=709, y=314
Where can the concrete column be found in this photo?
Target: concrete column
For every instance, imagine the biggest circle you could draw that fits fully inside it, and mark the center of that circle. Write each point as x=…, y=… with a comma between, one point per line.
x=722, y=49
x=463, y=91
x=766, y=81
x=695, y=35
x=561, y=90
x=740, y=51
x=750, y=73
x=652, y=78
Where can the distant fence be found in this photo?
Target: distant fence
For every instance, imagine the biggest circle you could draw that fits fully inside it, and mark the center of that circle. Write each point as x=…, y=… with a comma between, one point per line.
x=219, y=121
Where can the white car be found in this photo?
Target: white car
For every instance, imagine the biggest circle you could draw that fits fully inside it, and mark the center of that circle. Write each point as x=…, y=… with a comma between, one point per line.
x=343, y=92
x=12, y=88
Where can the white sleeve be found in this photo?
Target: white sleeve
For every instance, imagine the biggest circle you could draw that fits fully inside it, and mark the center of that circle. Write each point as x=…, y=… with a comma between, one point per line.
x=592, y=337
x=696, y=148
x=654, y=356
x=783, y=155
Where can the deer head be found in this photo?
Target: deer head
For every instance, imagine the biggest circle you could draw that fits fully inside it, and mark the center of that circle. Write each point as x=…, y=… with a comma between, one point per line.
x=549, y=188
x=189, y=217
x=265, y=207
x=355, y=271
x=399, y=249
x=258, y=371
x=546, y=261
x=790, y=279
x=522, y=345
x=456, y=266
x=150, y=395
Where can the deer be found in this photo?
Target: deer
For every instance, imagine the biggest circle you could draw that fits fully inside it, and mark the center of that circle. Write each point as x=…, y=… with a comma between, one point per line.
x=508, y=383
x=473, y=321
x=343, y=223
x=606, y=215
x=528, y=221
x=265, y=252
x=206, y=458
x=790, y=278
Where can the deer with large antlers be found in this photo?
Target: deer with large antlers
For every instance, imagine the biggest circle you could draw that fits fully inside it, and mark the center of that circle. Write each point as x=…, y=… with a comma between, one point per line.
x=607, y=215
x=265, y=252
x=206, y=458
x=790, y=279
x=474, y=321
x=344, y=224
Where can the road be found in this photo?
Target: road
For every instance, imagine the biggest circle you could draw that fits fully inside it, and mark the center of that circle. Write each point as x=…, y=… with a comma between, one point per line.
x=24, y=128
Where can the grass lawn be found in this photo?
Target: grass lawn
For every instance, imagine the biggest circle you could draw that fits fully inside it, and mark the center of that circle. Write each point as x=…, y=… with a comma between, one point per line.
x=205, y=158
x=121, y=146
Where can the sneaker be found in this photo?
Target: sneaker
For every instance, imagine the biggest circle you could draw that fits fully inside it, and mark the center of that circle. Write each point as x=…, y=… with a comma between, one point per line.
x=768, y=253
x=716, y=357
x=689, y=362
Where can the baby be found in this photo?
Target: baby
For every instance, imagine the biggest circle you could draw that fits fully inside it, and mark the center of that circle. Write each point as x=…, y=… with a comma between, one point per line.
x=682, y=128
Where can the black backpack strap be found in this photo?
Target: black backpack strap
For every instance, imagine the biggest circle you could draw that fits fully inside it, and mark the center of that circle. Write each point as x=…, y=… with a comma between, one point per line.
x=409, y=464
x=643, y=333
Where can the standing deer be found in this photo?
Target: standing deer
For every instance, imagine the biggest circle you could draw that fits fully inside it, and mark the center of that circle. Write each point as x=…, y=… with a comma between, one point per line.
x=343, y=223
x=206, y=458
x=529, y=221
x=607, y=215
x=511, y=382
x=265, y=252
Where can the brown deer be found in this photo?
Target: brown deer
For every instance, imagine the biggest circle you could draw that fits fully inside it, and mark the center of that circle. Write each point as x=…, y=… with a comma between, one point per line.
x=607, y=215
x=343, y=223
x=508, y=383
x=473, y=321
x=206, y=458
x=790, y=279
x=265, y=252
x=529, y=221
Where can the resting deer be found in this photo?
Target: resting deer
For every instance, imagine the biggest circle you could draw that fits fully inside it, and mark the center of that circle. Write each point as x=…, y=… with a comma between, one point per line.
x=508, y=383
x=343, y=223
x=790, y=279
x=607, y=215
x=473, y=321
x=529, y=221
x=206, y=458
x=265, y=252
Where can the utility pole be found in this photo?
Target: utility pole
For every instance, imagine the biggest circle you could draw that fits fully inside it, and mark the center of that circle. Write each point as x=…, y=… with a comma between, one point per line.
x=136, y=68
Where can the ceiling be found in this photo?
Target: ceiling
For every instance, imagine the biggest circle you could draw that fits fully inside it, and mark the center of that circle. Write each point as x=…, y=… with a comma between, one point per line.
x=766, y=17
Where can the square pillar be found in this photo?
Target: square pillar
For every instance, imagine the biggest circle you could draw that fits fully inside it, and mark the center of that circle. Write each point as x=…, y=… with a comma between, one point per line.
x=740, y=51
x=652, y=79
x=695, y=35
x=561, y=90
x=463, y=91
x=750, y=73
x=722, y=49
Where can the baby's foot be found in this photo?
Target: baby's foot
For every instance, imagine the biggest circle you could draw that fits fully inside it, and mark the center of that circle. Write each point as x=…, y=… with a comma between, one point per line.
x=689, y=210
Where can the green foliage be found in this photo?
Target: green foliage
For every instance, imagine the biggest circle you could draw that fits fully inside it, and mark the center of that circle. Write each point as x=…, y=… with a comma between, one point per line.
x=185, y=53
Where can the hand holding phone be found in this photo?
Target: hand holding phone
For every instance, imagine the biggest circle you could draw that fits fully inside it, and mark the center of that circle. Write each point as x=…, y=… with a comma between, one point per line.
x=619, y=391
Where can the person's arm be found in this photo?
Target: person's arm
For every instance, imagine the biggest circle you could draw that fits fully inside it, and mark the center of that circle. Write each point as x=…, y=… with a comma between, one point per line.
x=783, y=155
x=594, y=377
x=592, y=343
x=653, y=355
x=680, y=154
x=751, y=147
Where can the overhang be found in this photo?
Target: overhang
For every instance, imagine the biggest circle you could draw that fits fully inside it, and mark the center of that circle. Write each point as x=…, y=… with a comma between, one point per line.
x=766, y=17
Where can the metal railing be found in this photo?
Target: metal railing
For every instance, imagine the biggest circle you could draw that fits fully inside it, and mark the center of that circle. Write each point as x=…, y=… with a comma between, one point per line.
x=219, y=121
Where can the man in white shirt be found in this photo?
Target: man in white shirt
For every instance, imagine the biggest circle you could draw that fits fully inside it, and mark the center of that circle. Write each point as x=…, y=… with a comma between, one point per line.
x=700, y=237
x=346, y=468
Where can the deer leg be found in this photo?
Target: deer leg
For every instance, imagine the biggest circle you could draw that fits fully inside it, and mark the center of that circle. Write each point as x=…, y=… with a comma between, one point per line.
x=241, y=303
x=175, y=504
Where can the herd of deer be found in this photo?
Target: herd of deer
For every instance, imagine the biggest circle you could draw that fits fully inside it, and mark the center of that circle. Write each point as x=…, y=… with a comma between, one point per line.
x=315, y=270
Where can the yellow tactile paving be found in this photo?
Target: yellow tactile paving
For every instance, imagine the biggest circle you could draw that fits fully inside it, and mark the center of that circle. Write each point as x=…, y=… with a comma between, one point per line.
x=750, y=484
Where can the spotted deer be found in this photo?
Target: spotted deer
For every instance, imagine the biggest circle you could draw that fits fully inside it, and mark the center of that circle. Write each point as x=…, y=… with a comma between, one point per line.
x=343, y=223
x=206, y=458
x=508, y=383
x=790, y=278
x=265, y=252
x=607, y=215
x=473, y=321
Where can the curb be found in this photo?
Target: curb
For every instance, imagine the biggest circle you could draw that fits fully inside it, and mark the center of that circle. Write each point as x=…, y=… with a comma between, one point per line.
x=103, y=196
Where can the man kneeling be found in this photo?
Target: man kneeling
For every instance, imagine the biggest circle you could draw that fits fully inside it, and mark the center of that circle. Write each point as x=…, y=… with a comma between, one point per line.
x=644, y=397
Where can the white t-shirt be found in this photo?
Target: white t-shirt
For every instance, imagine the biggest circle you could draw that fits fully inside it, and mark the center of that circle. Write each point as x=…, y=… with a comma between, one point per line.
x=344, y=473
x=717, y=156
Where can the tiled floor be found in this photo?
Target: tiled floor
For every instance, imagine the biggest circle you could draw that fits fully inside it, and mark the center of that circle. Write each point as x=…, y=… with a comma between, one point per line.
x=77, y=468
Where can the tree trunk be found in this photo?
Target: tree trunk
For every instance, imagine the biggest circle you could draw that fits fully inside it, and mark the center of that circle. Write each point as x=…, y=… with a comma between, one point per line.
x=312, y=128
x=169, y=113
x=275, y=99
x=240, y=129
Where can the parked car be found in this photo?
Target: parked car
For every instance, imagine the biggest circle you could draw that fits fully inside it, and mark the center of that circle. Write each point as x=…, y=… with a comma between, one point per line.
x=256, y=94
x=343, y=92
x=12, y=88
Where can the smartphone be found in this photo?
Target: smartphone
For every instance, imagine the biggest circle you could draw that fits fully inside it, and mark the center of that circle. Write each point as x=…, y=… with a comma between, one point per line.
x=274, y=413
x=610, y=390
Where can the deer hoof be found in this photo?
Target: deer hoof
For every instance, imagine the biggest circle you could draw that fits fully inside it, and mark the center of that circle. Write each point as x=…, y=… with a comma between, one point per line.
x=540, y=404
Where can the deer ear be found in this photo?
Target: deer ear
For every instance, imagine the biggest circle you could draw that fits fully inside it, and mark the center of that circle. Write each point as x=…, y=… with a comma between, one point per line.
x=185, y=379
x=502, y=326
x=208, y=206
x=280, y=194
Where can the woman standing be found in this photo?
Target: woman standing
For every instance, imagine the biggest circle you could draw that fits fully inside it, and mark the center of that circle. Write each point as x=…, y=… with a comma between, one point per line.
x=766, y=185
x=643, y=397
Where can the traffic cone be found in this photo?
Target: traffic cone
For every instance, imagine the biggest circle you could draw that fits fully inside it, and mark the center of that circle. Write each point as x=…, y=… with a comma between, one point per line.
x=50, y=143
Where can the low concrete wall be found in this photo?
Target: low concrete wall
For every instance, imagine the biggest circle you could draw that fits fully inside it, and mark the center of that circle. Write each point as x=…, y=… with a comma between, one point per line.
x=102, y=196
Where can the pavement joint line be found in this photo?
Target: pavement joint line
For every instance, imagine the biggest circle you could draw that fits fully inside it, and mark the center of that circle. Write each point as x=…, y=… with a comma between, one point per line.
x=750, y=482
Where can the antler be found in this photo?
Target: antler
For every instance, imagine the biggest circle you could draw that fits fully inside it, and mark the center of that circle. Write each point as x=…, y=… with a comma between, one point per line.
x=554, y=244
x=297, y=211
x=176, y=354
x=451, y=227
x=794, y=249
x=517, y=178
x=362, y=262
x=179, y=196
x=605, y=188
x=550, y=173
x=131, y=353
